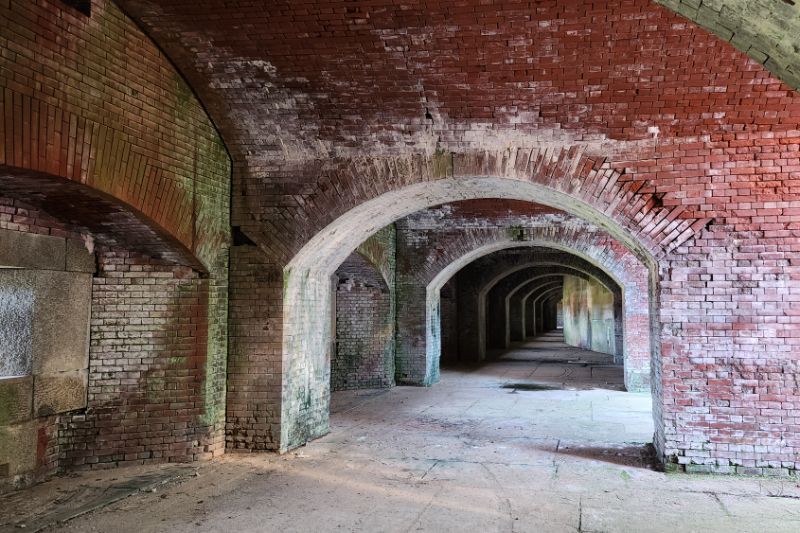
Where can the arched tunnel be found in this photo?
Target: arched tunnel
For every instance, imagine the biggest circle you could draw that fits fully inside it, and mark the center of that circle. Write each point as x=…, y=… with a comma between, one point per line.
x=530, y=289
x=399, y=265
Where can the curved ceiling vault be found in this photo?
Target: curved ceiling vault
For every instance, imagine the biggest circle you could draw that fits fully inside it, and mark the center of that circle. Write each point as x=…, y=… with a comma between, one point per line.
x=296, y=81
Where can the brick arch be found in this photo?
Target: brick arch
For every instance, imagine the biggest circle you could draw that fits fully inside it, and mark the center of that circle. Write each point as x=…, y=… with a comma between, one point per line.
x=307, y=290
x=375, y=252
x=514, y=311
x=760, y=28
x=100, y=132
x=689, y=143
x=131, y=131
x=331, y=245
x=506, y=276
x=619, y=267
x=526, y=322
x=436, y=243
x=548, y=296
x=634, y=350
x=495, y=297
x=516, y=305
x=100, y=216
x=305, y=138
x=421, y=364
x=534, y=297
x=362, y=263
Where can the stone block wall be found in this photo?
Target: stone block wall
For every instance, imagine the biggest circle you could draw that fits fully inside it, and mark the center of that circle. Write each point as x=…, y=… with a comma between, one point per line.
x=45, y=298
x=45, y=292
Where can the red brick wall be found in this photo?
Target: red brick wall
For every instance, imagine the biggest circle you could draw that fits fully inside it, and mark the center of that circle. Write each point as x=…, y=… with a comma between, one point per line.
x=630, y=110
x=364, y=356
x=97, y=127
x=16, y=215
x=147, y=364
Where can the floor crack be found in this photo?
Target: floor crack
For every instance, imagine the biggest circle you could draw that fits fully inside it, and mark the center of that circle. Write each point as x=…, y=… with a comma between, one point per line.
x=429, y=469
x=722, y=505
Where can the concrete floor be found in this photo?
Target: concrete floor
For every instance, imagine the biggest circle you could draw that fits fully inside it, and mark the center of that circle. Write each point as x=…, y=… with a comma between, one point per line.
x=484, y=450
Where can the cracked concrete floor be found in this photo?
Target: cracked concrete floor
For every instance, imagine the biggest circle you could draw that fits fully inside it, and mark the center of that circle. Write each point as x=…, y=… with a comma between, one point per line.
x=464, y=455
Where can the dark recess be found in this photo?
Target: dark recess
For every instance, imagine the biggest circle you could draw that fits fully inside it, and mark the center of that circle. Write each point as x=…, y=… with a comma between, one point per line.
x=84, y=6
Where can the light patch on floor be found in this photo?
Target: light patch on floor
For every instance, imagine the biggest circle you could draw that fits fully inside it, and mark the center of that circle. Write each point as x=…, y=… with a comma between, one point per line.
x=465, y=455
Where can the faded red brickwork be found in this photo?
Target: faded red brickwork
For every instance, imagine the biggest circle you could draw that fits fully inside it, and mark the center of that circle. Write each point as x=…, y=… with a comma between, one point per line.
x=365, y=316
x=254, y=382
x=16, y=215
x=364, y=356
x=98, y=129
x=433, y=240
x=77, y=106
x=630, y=110
x=147, y=361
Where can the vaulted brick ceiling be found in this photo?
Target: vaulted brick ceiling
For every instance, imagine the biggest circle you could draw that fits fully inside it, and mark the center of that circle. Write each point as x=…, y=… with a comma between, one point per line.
x=288, y=81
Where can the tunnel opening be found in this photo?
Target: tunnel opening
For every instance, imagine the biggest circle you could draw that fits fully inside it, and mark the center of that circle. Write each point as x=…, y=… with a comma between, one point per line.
x=554, y=244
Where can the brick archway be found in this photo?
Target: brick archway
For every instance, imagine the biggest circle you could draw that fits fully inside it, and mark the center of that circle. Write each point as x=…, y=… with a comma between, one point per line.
x=527, y=295
x=509, y=281
x=306, y=297
x=107, y=219
x=638, y=351
x=515, y=302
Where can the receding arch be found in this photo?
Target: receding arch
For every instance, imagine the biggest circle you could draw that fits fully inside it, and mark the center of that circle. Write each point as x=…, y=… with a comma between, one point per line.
x=530, y=318
x=638, y=354
x=307, y=291
x=510, y=312
x=523, y=301
x=328, y=248
x=542, y=300
x=577, y=270
x=107, y=219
